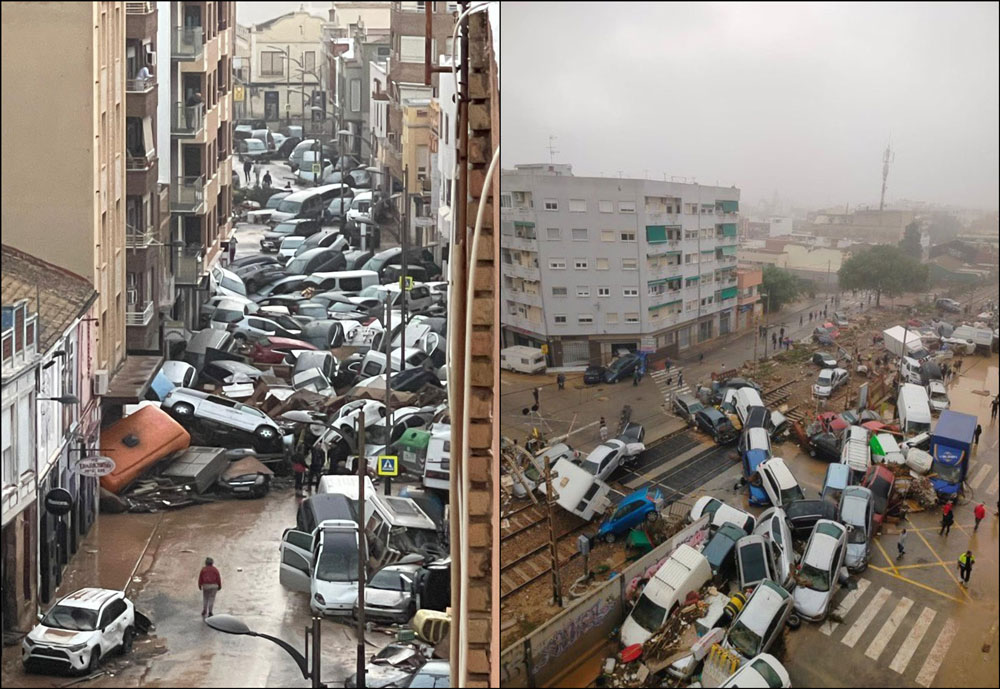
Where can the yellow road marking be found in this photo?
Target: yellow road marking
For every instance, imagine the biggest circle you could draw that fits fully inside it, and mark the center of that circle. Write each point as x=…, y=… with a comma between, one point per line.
x=917, y=583
x=935, y=563
x=944, y=566
x=886, y=556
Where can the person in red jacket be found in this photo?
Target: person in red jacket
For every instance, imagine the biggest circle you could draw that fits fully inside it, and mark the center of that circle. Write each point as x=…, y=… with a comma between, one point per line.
x=980, y=513
x=210, y=582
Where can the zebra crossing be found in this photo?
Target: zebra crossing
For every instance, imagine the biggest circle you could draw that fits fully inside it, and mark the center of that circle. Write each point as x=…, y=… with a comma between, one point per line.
x=977, y=477
x=674, y=387
x=879, y=608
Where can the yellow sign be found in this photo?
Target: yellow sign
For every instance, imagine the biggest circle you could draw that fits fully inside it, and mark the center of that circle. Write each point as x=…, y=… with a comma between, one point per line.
x=317, y=169
x=409, y=282
x=545, y=349
x=238, y=93
x=388, y=465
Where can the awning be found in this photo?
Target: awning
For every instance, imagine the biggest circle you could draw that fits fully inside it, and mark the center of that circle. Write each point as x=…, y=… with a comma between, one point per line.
x=523, y=223
x=708, y=251
x=692, y=279
x=729, y=206
x=130, y=383
x=657, y=282
x=669, y=303
x=729, y=229
x=729, y=250
x=656, y=234
x=729, y=292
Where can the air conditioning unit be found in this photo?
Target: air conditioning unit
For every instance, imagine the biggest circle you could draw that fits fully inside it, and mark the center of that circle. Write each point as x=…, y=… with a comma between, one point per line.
x=101, y=382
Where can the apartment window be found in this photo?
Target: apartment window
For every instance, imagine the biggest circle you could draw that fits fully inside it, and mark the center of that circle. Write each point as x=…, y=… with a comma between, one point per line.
x=9, y=465
x=604, y=291
x=551, y=205
x=557, y=264
x=559, y=319
x=309, y=60
x=611, y=318
x=580, y=235
x=630, y=291
x=580, y=263
x=505, y=201
x=270, y=64
x=553, y=233
x=628, y=236
x=585, y=319
x=626, y=206
x=355, y=95
x=558, y=291
x=630, y=264
x=582, y=291
x=607, y=235
x=602, y=264
x=606, y=206
x=577, y=205
x=631, y=318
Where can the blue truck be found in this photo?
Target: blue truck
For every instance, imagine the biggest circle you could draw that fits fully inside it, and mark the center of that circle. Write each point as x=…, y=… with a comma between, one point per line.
x=951, y=445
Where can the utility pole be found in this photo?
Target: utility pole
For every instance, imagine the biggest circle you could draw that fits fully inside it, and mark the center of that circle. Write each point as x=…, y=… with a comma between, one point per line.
x=288, y=86
x=887, y=158
x=553, y=554
x=362, y=555
x=314, y=637
x=552, y=149
x=404, y=234
x=388, y=374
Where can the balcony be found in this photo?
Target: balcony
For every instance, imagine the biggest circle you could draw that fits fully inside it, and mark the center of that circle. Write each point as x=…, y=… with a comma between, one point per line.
x=188, y=265
x=140, y=19
x=522, y=323
x=140, y=7
x=139, y=162
x=518, y=270
x=139, y=314
x=521, y=297
x=144, y=85
x=520, y=243
x=138, y=238
x=518, y=213
x=187, y=195
x=187, y=120
x=187, y=43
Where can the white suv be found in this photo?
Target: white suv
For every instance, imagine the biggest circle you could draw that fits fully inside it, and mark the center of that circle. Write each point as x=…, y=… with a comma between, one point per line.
x=79, y=629
x=188, y=405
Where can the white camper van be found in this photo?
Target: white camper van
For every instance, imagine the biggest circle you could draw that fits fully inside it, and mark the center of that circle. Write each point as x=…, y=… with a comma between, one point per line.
x=522, y=359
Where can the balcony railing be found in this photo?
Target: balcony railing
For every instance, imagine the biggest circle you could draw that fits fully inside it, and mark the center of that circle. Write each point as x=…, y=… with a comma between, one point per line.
x=138, y=163
x=139, y=7
x=521, y=271
x=190, y=259
x=187, y=194
x=187, y=43
x=139, y=314
x=523, y=297
x=140, y=85
x=187, y=119
x=520, y=243
x=137, y=238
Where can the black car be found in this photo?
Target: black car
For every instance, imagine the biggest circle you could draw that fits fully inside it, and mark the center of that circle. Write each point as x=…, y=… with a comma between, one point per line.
x=296, y=227
x=356, y=258
x=594, y=375
x=319, y=260
x=824, y=360
x=715, y=423
x=803, y=514
x=286, y=147
x=621, y=368
x=247, y=261
x=224, y=372
x=413, y=379
x=825, y=446
x=758, y=417
x=633, y=433
x=260, y=274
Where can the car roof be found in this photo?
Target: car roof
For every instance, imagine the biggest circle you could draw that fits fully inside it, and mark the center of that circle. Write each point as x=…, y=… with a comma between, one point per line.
x=712, y=413
x=819, y=551
x=769, y=596
x=90, y=598
x=758, y=438
x=781, y=472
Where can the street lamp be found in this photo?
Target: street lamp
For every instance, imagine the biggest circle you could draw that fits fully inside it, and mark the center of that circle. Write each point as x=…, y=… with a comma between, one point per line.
x=63, y=399
x=228, y=624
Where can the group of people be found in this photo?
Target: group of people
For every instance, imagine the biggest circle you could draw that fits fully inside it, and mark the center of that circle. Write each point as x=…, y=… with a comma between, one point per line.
x=255, y=167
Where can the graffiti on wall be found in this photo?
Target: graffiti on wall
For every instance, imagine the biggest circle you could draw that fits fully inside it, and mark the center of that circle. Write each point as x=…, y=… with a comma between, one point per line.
x=583, y=621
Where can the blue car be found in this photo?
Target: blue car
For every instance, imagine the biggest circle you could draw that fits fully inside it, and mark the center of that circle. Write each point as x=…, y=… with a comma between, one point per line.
x=751, y=460
x=642, y=505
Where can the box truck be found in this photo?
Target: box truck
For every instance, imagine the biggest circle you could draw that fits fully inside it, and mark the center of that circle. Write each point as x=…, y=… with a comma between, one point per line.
x=951, y=443
x=894, y=337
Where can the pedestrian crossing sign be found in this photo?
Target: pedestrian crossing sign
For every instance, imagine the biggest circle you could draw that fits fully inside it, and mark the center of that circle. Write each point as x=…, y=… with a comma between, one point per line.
x=388, y=465
x=405, y=282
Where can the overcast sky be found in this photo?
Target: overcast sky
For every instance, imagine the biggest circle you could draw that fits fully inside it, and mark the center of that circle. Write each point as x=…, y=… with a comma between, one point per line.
x=257, y=12
x=798, y=99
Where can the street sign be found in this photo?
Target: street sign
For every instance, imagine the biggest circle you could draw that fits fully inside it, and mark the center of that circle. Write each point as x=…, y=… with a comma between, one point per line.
x=409, y=282
x=58, y=501
x=95, y=466
x=317, y=169
x=238, y=93
x=388, y=465
x=545, y=349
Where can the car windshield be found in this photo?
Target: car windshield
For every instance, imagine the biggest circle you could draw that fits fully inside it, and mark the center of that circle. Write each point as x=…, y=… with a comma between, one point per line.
x=275, y=201
x=771, y=677
x=374, y=263
x=376, y=435
x=744, y=639
x=880, y=490
x=413, y=540
x=648, y=614
x=292, y=242
x=74, y=619
x=338, y=560
x=284, y=228
x=619, y=364
x=814, y=578
x=289, y=206
x=255, y=145
x=825, y=376
x=226, y=316
x=754, y=564
x=791, y=493
x=336, y=205
x=234, y=285
x=298, y=264
x=857, y=535
x=387, y=580
x=950, y=473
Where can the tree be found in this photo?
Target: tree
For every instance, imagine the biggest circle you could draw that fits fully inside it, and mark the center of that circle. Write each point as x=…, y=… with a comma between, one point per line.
x=781, y=287
x=910, y=243
x=883, y=269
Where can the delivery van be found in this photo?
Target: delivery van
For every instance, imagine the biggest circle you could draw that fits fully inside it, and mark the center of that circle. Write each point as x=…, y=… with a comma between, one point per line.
x=522, y=359
x=914, y=409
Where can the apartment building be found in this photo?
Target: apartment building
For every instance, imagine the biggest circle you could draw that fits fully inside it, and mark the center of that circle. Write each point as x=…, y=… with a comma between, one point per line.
x=594, y=265
x=444, y=115
x=149, y=286
x=202, y=38
x=346, y=17
x=351, y=59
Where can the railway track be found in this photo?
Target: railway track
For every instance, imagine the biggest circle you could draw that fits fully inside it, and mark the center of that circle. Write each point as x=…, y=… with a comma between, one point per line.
x=536, y=563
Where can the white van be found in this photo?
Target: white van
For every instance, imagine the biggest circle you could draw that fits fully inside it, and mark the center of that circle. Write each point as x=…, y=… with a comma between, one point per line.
x=578, y=491
x=437, y=470
x=323, y=564
x=913, y=407
x=373, y=363
x=343, y=280
x=910, y=369
x=856, y=453
x=684, y=571
x=522, y=359
x=745, y=398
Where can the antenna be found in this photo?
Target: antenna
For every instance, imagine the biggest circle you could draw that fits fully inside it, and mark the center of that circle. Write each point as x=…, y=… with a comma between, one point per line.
x=887, y=157
x=552, y=149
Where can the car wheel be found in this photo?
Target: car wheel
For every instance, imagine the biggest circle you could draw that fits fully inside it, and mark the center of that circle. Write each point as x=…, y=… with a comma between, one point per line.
x=609, y=537
x=183, y=409
x=128, y=638
x=266, y=433
x=95, y=660
x=794, y=621
x=652, y=516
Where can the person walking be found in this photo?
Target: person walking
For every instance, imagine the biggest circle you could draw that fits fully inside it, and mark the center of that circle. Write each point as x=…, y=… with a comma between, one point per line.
x=604, y=429
x=232, y=248
x=993, y=408
x=680, y=378
x=247, y=167
x=561, y=381
x=267, y=179
x=782, y=333
x=534, y=393
x=978, y=432
x=800, y=320
x=210, y=583
x=701, y=360
x=316, y=466
x=965, y=562
x=774, y=340
x=947, y=519
x=667, y=365
x=637, y=375
x=256, y=172
x=901, y=544
x=980, y=514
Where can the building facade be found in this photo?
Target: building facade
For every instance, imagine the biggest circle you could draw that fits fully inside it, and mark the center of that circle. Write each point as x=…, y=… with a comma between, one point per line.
x=594, y=265
x=352, y=67
x=201, y=147
x=748, y=304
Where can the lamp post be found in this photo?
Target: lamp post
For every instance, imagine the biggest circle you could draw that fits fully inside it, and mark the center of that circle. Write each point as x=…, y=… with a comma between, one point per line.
x=229, y=624
x=62, y=399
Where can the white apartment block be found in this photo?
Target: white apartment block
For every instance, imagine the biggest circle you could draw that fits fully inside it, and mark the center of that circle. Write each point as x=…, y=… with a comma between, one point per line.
x=592, y=265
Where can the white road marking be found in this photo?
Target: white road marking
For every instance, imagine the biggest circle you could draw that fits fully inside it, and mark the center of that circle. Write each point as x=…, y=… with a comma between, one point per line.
x=888, y=629
x=861, y=624
x=560, y=438
x=845, y=606
x=984, y=471
x=992, y=490
x=912, y=640
x=937, y=653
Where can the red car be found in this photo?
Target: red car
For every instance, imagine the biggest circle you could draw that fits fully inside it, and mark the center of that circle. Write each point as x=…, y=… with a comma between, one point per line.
x=879, y=480
x=272, y=350
x=831, y=422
